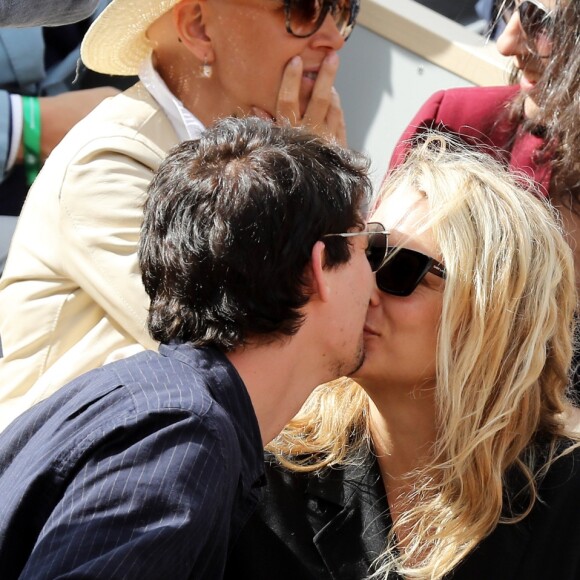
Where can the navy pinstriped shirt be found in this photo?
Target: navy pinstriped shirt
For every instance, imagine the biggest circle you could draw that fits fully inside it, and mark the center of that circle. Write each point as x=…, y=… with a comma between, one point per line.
x=145, y=468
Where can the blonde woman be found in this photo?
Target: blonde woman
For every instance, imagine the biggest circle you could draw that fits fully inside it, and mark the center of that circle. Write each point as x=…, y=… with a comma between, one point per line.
x=71, y=297
x=458, y=455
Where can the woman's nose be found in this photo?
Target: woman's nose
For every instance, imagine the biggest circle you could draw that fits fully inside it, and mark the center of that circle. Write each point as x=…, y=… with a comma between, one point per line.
x=513, y=40
x=329, y=35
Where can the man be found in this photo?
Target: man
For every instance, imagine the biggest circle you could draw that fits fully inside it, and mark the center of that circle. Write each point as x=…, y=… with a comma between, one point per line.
x=74, y=300
x=44, y=12
x=148, y=467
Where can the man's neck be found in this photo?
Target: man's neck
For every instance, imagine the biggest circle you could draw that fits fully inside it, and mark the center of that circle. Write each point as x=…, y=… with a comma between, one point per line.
x=279, y=377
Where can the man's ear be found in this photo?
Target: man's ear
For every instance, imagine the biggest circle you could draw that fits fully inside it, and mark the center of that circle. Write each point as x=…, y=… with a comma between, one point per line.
x=319, y=276
x=189, y=20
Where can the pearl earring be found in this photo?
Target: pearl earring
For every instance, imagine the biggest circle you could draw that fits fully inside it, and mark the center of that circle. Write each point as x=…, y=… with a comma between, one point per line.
x=206, y=70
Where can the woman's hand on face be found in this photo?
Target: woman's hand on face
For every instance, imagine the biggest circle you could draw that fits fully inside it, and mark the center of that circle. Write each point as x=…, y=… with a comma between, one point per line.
x=323, y=114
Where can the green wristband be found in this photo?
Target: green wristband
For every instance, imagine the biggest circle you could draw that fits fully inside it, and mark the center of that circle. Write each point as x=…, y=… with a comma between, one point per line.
x=31, y=137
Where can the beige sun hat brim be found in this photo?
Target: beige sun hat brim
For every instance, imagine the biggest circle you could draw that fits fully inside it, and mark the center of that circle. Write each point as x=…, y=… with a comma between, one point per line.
x=115, y=44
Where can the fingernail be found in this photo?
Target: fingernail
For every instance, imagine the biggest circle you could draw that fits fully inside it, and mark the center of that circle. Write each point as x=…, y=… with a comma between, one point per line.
x=295, y=61
x=331, y=58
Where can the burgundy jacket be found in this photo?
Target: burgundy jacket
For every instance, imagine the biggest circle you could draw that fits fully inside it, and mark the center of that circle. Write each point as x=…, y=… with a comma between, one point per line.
x=479, y=116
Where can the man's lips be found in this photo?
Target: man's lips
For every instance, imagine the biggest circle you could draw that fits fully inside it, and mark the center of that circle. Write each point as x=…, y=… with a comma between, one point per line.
x=368, y=330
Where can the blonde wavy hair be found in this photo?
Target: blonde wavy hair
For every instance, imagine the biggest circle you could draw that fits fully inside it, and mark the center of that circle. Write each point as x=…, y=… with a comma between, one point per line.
x=505, y=346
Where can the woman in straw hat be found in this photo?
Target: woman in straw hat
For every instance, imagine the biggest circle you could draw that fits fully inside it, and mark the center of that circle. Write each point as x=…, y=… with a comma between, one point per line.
x=71, y=296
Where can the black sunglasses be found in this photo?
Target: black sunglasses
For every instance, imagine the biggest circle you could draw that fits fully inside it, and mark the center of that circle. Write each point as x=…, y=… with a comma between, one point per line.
x=398, y=270
x=535, y=18
x=403, y=270
x=376, y=250
x=305, y=17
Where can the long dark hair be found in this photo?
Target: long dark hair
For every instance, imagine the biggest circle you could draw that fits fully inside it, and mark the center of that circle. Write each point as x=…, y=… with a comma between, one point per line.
x=557, y=94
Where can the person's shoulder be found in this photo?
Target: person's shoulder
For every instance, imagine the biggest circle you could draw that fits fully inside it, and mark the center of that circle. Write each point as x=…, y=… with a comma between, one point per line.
x=135, y=108
x=130, y=125
x=127, y=135
x=131, y=117
x=488, y=92
x=564, y=470
x=329, y=483
x=166, y=384
x=552, y=528
x=473, y=113
x=282, y=480
x=159, y=382
x=470, y=103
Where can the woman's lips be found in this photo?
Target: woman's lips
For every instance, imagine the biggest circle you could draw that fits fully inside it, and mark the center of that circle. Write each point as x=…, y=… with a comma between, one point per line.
x=526, y=83
x=529, y=76
x=309, y=80
x=306, y=88
x=310, y=74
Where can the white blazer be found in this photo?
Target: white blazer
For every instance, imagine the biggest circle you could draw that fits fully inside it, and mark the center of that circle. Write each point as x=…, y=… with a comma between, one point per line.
x=71, y=296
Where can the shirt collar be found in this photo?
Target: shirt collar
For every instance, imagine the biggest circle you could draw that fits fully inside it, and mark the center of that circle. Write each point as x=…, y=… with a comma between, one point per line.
x=229, y=391
x=339, y=484
x=186, y=124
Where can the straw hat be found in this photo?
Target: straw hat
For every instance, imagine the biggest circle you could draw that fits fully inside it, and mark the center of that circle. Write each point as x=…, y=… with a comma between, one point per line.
x=115, y=44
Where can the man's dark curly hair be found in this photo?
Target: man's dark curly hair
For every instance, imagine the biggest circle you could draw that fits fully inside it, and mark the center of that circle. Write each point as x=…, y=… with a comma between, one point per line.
x=229, y=227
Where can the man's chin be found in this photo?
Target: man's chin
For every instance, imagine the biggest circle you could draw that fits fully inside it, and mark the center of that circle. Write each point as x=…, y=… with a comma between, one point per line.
x=360, y=362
